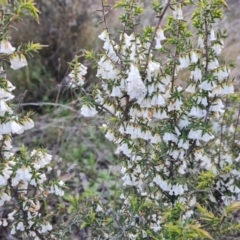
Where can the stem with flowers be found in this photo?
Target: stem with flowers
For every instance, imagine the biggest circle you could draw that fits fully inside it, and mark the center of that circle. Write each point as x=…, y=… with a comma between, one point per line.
x=24, y=176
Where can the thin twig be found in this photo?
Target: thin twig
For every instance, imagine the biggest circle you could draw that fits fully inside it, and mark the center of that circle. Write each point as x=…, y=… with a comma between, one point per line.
x=106, y=27
x=175, y=57
x=234, y=135
x=155, y=32
x=101, y=106
x=48, y=104
x=21, y=100
x=221, y=133
x=206, y=44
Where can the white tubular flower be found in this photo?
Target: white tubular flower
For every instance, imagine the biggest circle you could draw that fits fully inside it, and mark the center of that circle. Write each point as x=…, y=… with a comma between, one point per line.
x=146, y=103
x=20, y=226
x=159, y=87
x=197, y=112
x=6, y=47
x=153, y=70
x=212, y=35
x=110, y=48
x=46, y=227
x=5, y=175
x=207, y=137
x=151, y=88
x=166, y=80
x=5, y=222
x=198, y=135
x=164, y=185
x=116, y=92
x=156, y=139
x=133, y=51
x=196, y=74
x=5, y=95
x=7, y=144
x=15, y=127
x=178, y=189
x=123, y=84
x=191, y=88
x=170, y=137
x=129, y=180
x=194, y=57
x=22, y=174
x=109, y=107
x=18, y=61
x=98, y=98
x=126, y=40
x=187, y=215
x=27, y=123
x=221, y=73
x=160, y=34
x=42, y=178
x=106, y=69
x=13, y=230
x=77, y=75
x=11, y=127
x=184, y=62
x=217, y=48
x=4, y=198
x=208, y=86
x=99, y=208
x=156, y=226
x=158, y=43
x=110, y=136
x=202, y=100
x=11, y=215
x=175, y=105
x=57, y=190
x=135, y=86
x=183, y=144
x=195, y=134
x=104, y=35
x=217, y=106
x=42, y=159
x=159, y=37
x=184, y=122
x=223, y=89
x=4, y=108
x=157, y=100
x=200, y=41
x=10, y=87
x=88, y=111
x=177, y=13
x=160, y=114
x=213, y=64
x=125, y=149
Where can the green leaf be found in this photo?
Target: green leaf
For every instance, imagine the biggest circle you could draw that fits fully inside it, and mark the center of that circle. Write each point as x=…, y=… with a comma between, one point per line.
x=3, y=2
x=201, y=232
x=28, y=6
x=34, y=47
x=233, y=207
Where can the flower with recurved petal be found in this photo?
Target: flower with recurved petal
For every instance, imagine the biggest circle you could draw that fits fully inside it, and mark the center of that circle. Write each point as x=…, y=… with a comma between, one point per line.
x=6, y=47
x=18, y=61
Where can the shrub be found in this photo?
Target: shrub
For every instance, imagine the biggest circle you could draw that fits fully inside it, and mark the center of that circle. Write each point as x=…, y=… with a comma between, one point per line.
x=177, y=145
x=25, y=176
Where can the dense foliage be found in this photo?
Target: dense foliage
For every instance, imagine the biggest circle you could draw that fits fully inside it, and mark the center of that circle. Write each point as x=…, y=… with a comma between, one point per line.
x=179, y=155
